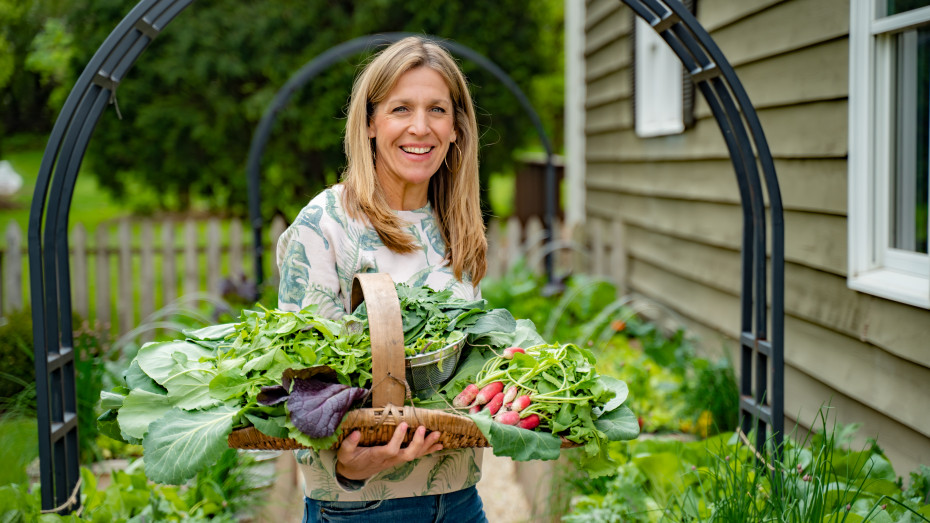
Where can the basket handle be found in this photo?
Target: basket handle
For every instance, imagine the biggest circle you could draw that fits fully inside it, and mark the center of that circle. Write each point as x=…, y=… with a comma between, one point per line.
x=387, y=336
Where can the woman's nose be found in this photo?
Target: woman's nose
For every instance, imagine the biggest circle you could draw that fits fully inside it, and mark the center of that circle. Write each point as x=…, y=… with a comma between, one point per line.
x=419, y=126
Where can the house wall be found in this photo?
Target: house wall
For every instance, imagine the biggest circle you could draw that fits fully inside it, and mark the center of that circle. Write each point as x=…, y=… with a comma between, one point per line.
x=867, y=357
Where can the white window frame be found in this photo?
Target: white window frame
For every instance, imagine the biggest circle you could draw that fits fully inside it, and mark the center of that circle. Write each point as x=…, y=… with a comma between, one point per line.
x=875, y=268
x=659, y=87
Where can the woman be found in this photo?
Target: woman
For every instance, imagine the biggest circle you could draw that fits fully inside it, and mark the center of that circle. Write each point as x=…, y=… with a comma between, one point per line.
x=408, y=205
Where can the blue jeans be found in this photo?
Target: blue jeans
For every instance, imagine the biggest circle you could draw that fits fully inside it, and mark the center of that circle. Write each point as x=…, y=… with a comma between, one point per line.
x=463, y=506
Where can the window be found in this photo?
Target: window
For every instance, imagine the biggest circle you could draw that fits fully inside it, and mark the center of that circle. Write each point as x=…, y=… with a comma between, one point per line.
x=663, y=95
x=889, y=140
x=658, y=80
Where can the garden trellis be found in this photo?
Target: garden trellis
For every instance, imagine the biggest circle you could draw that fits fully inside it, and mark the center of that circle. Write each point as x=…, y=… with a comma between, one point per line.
x=762, y=346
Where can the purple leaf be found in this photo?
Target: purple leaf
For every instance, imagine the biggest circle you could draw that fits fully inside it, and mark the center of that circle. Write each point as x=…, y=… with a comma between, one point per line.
x=272, y=395
x=319, y=372
x=318, y=407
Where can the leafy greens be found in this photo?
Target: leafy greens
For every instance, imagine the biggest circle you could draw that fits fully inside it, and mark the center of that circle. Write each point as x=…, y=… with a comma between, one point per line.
x=296, y=374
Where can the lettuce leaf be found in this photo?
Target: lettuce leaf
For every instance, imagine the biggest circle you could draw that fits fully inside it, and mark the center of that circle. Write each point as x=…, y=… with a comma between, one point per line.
x=157, y=360
x=139, y=409
x=181, y=443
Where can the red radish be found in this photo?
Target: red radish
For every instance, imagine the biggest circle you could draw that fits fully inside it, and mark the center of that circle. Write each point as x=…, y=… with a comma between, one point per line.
x=507, y=418
x=495, y=404
x=488, y=392
x=510, y=394
x=521, y=403
x=507, y=406
x=466, y=397
x=530, y=422
x=510, y=351
x=475, y=409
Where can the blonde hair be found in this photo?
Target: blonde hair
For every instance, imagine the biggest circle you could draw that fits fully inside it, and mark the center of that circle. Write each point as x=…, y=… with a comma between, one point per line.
x=453, y=190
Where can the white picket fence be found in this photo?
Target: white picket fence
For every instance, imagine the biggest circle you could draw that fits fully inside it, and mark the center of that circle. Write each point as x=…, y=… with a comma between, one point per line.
x=137, y=266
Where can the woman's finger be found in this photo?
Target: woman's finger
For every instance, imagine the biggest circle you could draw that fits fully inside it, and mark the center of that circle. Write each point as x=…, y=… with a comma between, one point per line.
x=393, y=446
x=430, y=444
x=435, y=448
x=417, y=445
x=349, y=445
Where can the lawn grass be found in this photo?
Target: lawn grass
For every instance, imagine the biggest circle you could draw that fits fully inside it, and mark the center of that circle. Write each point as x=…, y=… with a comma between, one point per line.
x=90, y=205
x=93, y=207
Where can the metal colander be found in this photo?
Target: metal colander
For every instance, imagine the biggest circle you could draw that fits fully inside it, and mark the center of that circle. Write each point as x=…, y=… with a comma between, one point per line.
x=427, y=372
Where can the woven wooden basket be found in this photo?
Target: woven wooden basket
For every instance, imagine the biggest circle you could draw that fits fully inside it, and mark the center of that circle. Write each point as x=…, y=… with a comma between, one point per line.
x=377, y=424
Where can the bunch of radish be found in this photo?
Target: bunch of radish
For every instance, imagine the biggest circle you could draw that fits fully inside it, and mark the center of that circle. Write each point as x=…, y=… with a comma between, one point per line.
x=504, y=405
x=552, y=389
x=544, y=387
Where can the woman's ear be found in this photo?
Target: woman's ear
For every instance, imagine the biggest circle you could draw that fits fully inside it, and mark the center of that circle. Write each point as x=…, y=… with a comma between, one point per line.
x=371, y=130
x=452, y=139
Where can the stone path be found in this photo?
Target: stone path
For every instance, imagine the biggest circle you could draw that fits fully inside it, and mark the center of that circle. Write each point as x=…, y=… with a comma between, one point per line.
x=501, y=493
x=503, y=497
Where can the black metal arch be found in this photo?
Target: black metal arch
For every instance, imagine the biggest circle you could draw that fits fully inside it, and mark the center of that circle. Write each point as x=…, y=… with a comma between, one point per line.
x=337, y=53
x=50, y=284
x=742, y=132
x=49, y=275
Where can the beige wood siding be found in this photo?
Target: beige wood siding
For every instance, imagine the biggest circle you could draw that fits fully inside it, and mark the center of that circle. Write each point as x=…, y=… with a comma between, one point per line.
x=677, y=199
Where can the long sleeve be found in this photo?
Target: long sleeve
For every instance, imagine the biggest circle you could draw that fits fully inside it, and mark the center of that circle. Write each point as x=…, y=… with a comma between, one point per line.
x=307, y=263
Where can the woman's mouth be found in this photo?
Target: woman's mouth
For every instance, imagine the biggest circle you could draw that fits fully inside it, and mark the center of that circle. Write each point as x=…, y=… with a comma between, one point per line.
x=416, y=150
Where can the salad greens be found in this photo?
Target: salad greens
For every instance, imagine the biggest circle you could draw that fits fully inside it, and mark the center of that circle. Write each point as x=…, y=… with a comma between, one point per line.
x=184, y=397
x=296, y=374
x=433, y=319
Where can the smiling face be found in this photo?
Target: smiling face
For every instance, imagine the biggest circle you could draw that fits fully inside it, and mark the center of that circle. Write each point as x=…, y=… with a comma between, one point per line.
x=412, y=127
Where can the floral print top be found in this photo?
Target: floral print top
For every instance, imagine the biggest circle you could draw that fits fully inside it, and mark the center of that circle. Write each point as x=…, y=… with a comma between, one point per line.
x=318, y=256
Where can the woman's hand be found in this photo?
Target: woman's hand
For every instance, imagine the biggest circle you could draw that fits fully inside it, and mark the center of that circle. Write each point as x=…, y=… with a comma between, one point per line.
x=359, y=463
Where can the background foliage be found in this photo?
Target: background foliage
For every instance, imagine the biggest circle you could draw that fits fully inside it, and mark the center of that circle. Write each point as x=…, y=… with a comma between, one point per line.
x=191, y=102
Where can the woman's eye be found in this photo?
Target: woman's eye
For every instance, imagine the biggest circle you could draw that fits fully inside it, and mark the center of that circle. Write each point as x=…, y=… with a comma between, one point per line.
x=438, y=110
x=400, y=109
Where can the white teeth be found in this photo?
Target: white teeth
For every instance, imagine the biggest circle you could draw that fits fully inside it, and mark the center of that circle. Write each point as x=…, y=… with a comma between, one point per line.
x=416, y=150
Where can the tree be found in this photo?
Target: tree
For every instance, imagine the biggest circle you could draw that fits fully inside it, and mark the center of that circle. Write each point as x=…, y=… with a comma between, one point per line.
x=192, y=101
x=34, y=47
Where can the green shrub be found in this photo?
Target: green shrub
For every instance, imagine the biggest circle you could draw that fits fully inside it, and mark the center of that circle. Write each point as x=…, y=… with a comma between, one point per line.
x=17, y=368
x=92, y=353
x=20, y=447
x=712, y=390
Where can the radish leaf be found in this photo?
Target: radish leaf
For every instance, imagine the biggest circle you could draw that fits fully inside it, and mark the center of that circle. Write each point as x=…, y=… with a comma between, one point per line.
x=516, y=443
x=618, y=424
x=620, y=389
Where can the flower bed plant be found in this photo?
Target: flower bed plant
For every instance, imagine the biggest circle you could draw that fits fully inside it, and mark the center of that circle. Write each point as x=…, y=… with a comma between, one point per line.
x=222, y=493
x=724, y=479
